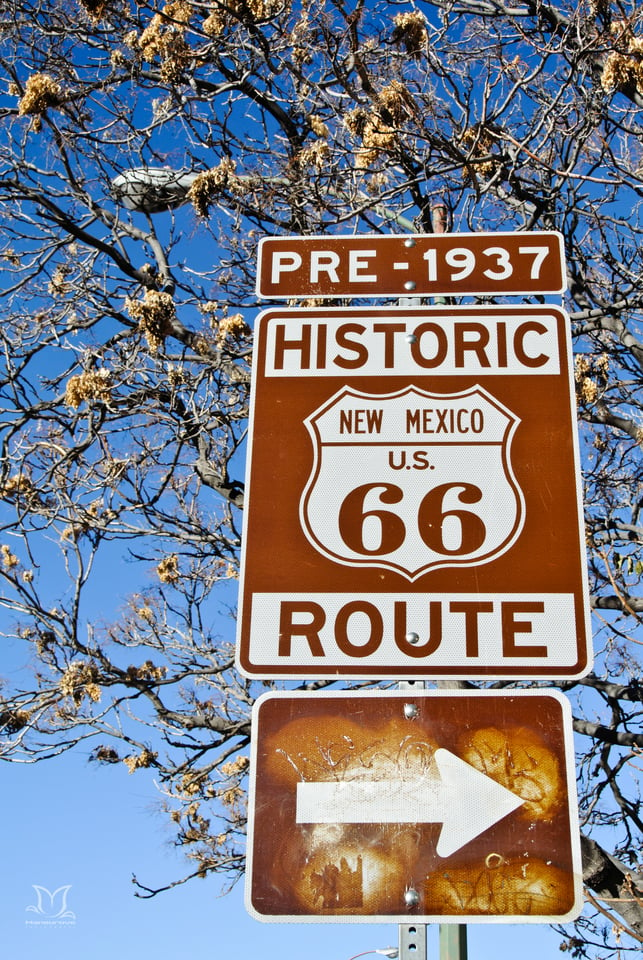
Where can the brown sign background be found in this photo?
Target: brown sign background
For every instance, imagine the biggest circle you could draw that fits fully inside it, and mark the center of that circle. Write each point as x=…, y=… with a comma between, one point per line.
x=524, y=868
x=279, y=561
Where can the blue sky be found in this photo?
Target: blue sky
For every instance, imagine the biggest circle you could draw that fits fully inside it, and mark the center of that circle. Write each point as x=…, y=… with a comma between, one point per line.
x=69, y=823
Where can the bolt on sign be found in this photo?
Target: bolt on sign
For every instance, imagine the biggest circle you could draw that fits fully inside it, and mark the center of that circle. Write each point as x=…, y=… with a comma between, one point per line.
x=424, y=264
x=413, y=496
x=437, y=806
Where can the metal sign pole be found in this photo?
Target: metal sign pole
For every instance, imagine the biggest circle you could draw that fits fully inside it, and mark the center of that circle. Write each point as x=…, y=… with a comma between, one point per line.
x=453, y=937
x=453, y=941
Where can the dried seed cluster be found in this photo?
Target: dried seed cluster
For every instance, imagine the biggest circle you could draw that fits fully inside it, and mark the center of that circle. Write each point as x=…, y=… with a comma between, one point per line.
x=155, y=315
x=80, y=680
x=41, y=92
x=147, y=671
x=212, y=183
x=591, y=376
x=234, y=327
x=139, y=760
x=624, y=68
x=164, y=37
x=94, y=8
x=478, y=144
x=168, y=569
x=244, y=10
x=89, y=385
x=410, y=31
x=378, y=128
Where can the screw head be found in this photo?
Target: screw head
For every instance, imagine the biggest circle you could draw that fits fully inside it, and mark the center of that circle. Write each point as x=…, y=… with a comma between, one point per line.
x=411, y=897
x=409, y=242
x=409, y=285
x=412, y=637
x=410, y=711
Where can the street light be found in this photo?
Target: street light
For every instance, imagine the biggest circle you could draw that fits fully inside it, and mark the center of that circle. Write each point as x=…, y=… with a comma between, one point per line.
x=390, y=952
x=152, y=189
x=155, y=189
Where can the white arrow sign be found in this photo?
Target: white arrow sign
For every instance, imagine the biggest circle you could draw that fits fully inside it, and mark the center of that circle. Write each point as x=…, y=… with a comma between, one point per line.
x=463, y=800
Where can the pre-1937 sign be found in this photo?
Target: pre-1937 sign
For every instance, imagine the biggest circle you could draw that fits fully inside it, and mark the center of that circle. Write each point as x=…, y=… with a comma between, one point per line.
x=385, y=265
x=413, y=496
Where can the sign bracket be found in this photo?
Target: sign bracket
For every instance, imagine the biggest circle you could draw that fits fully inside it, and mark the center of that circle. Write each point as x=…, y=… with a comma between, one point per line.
x=412, y=941
x=412, y=937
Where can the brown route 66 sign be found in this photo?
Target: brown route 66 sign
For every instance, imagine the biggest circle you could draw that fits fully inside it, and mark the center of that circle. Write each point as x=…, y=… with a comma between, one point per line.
x=413, y=504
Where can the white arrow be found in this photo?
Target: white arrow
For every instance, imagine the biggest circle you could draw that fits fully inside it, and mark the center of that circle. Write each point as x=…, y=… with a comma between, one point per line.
x=465, y=801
